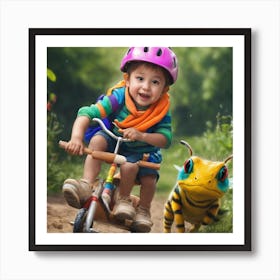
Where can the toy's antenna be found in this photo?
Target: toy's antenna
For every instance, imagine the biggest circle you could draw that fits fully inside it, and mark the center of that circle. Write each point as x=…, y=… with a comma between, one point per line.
x=228, y=158
x=187, y=145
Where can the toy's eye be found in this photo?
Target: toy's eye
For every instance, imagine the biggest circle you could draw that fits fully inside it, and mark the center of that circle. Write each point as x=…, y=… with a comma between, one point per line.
x=188, y=166
x=223, y=174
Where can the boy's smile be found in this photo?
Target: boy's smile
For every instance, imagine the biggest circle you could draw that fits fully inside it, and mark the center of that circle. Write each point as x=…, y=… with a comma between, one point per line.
x=146, y=85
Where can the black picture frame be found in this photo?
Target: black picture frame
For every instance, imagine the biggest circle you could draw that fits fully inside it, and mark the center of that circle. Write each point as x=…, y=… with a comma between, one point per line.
x=242, y=35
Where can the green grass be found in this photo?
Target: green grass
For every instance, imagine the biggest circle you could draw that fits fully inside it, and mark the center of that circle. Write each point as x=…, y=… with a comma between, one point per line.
x=175, y=155
x=225, y=219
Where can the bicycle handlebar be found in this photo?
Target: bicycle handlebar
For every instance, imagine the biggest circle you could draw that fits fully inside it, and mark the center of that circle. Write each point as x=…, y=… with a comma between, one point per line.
x=105, y=156
x=112, y=158
x=100, y=122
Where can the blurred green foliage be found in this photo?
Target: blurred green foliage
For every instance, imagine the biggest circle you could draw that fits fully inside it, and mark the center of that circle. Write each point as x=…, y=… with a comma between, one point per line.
x=203, y=88
x=53, y=130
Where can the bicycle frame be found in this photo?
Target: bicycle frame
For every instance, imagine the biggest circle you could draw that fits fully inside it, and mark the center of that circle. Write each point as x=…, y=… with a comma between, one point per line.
x=104, y=190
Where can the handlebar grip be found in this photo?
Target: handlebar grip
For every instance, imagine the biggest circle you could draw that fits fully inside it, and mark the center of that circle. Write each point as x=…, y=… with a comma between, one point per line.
x=147, y=164
x=105, y=156
x=62, y=144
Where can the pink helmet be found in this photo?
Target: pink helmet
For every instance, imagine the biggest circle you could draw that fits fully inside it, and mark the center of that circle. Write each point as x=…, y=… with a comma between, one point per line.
x=161, y=56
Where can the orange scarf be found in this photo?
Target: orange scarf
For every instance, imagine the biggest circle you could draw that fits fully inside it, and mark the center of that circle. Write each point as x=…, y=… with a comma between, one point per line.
x=142, y=120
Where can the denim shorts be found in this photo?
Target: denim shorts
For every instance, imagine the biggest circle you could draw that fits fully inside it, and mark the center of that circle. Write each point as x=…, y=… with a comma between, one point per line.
x=131, y=156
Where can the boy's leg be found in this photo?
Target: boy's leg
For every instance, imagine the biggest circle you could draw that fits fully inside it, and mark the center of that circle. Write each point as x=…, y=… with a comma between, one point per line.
x=92, y=166
x=76, y=192
x=143, y=222
x=147, y=190
x=124, y=208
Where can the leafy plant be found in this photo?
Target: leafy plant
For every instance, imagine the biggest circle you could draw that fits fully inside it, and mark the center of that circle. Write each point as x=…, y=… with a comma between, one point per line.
x=218, y=141
x=54, y=173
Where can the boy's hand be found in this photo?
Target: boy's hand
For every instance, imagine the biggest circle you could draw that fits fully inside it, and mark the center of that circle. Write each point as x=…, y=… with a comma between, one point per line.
x=132, y=134
x=75, y=147
x=154, y=139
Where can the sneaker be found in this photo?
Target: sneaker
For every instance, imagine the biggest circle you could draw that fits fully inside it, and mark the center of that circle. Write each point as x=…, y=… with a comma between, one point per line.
x=76, y=192
x=142, y=222
x=124, y=209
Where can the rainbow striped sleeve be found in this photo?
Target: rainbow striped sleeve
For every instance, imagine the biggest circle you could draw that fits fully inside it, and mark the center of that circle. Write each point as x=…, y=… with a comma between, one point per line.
x=105, y=107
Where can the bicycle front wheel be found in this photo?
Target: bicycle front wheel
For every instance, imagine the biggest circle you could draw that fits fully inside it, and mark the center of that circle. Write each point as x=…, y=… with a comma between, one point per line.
x=80, y=220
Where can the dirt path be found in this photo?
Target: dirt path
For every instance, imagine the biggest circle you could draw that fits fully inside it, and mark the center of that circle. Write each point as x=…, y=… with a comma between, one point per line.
x=60, y=216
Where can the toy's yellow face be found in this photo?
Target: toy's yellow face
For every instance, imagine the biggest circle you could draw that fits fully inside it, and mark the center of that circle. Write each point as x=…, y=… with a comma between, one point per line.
x=205, y=179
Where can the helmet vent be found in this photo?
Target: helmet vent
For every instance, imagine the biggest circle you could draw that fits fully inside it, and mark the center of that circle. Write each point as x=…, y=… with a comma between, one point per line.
x=129, y=50
x=174, y=62
x=159, y=52
x=146, y=49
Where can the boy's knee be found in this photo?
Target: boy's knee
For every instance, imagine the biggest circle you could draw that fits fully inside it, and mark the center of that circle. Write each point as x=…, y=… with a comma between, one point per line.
x=98, y=143
x=149, y=180
x=130, y=168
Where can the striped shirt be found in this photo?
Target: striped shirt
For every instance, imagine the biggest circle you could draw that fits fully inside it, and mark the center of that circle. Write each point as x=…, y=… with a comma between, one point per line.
x=113, y=106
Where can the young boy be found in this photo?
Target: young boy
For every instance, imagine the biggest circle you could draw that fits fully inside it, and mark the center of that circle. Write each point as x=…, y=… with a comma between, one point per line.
x=139, y=107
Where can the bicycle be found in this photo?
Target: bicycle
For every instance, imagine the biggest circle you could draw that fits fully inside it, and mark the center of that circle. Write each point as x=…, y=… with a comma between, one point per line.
x=102, y=200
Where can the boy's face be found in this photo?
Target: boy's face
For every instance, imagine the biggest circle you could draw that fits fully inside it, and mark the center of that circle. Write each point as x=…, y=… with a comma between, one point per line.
x=146, y=85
